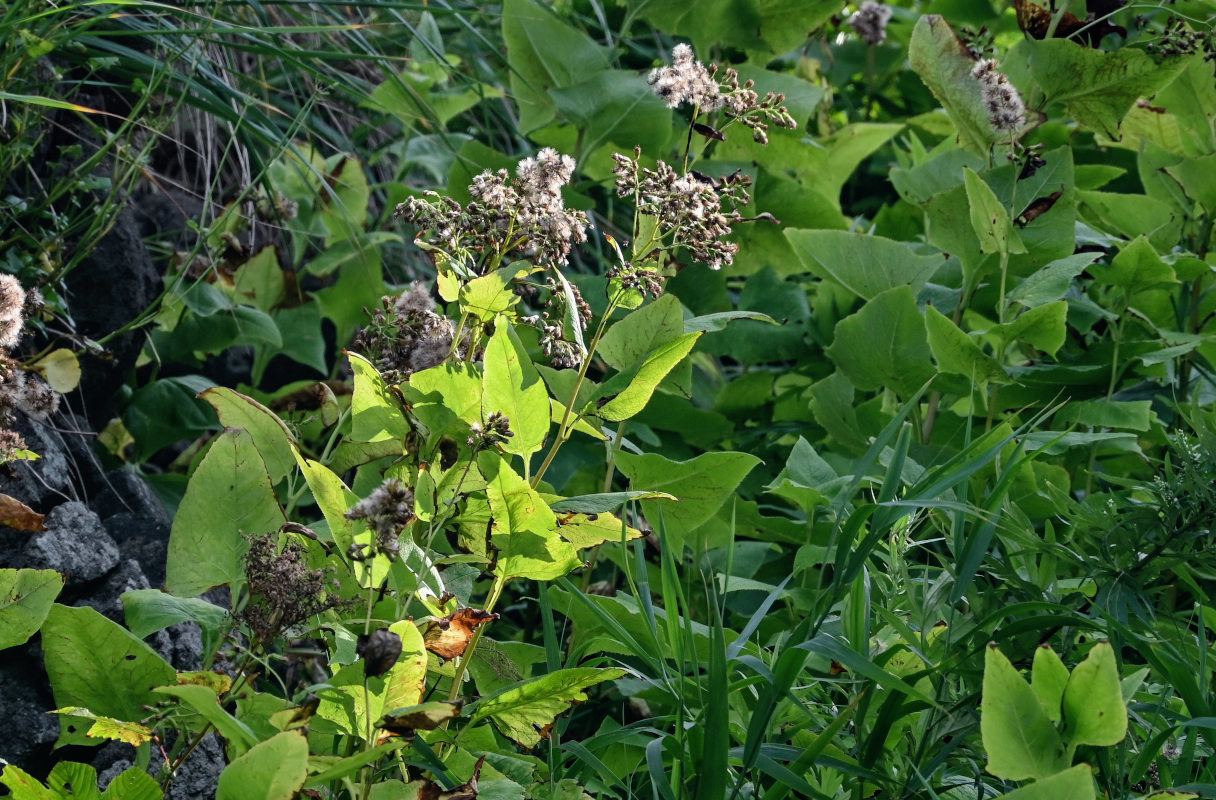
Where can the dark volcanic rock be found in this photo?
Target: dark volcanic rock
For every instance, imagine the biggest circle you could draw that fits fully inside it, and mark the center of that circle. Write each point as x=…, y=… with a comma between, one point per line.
x=74, y=543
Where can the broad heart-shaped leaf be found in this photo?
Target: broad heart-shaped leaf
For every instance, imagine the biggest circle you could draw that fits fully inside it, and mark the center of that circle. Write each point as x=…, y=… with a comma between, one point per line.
x=958, y=353
x=1048, y=677
x=865, y=265
x=150, y=610
x=1094, y=711
x=1076, y=783
x=229, y=497
x=97, y=664
x=632, y=399
x=70, y=779
x=641, y=332
x=1043, y=327
x=1098, y=87
x=702, y=484
x=944, y=63
x=376, y=415
x=546, y=53
x=615, y=106
x=521, y=711
x=512, y=386
x=273, y=770
x=990, y=220
x=1018, y=735
x=270, y=435
x=26, y=596
x=491, y=294
x=523, y=526
x=884, y=345
x=1136, y=267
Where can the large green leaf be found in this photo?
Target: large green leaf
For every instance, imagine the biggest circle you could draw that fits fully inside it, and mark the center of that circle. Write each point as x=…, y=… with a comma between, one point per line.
x=884, y=344
x=865, y=265
x=632, y=398
x=638, y=334
x=990, y=220
x=1018, y=735
x=1076, y=783
x=1136, y=267
x=203, y=700
x=615, y=106
x=522, y=711
x=26, y=596
x=405, y=682
x=150, y=610
x=512, y=386
x=545, y=53
x=273, y=770
x=1094, y=711
x=523, y=526
x=376, y=414
x=228, y=498
x=944, y=63
x=1048, y=677
x=270, y=435
x=702, y=485
x=958, y=353
x=1098, y=87
x=1052, y=281
x=335, y=499
x=99, y=665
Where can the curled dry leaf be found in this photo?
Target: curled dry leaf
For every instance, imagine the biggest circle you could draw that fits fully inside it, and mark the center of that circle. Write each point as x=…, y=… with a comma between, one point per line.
x=379, y=651
x=17, y=514
x=448, y=636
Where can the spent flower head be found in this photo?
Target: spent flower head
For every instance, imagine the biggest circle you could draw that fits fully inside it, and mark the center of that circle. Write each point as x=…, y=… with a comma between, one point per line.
x=405, y=335
x=1006, y=111
x=870, y=21
x=686, y=80
x=387, y=510
x=283, y=591
x=495, y=431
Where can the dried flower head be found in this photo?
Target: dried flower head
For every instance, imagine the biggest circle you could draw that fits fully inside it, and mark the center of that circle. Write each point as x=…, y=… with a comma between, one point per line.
x=36, y=397
x=688, y=207
x=523, y=217
x=686, y=80
x=495, y=431
x=388, y=509
x=283, y=591
x=405, y=335
x=11, y=444
x=564, y=311
x=870, y=22
x=1006, y=111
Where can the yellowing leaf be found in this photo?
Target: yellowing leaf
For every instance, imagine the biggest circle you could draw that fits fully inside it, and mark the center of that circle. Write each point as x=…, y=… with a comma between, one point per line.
x=61, y=369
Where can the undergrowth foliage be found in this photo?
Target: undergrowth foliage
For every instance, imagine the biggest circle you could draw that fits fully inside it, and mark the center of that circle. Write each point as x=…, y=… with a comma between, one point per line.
x=724, y=410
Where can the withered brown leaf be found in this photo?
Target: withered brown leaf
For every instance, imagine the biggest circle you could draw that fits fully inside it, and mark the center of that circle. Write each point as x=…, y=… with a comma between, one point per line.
x=17, y=514
x=448, y=636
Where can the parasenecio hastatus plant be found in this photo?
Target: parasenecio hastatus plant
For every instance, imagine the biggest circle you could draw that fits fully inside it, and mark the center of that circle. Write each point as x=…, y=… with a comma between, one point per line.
x=367, y=564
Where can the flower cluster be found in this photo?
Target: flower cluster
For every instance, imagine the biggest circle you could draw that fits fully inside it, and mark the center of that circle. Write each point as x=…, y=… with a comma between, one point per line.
x=688, y=207
x=870, y=22
x=496, y=430
x=283, y=591
x=388, y=509
x=20, y=390
x=560, y=311
x=688, y=81
x=406, y=335
x=1006, y=112
x=520, y=218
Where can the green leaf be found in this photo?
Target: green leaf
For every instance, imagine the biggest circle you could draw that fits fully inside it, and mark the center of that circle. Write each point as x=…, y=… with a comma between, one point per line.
x=203, y=700
x=521, y=711
x=615, y=106
x=95, y=663
x=76, y=781
x=376, y=413
x=1052, y=281
x=604, y=503
x=1018, y=735
x=958, y=353
x=334, y=768
x=26, y=596
x=702, y=484
x=1048, y=677
x=1094, y=711
x=25, y=786
x=944, y=63
x=133, y=784
x=990, y=219
x=132, y=733
x=405, y=682
x=334, y=500
x=271, y=437
x=206, y=548
x=546, y=53
x=633, y=398
x=1098, y=87
x=273, y=770
x=865, y=265
x=1136, y=267
x=1132, y=215
x=150, y=610
x=523, y=526
x=1076, y=783
x=709, y=323
x=491, y=294
x=1133, y=415
x=884, y=344
x=642, y=332
x=1043, y=327
x=512, y=386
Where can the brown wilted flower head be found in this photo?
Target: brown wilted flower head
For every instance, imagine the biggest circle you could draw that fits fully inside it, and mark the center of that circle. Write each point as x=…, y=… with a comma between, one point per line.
x=686, y=80
x=12, y=310
x=1006, y=111
x=388, y=509
x=495, y=431
x=283, y=591
x=11, y=444
x=870, y=22
x=524, y=217
x=688, y=207
x=406, y=335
